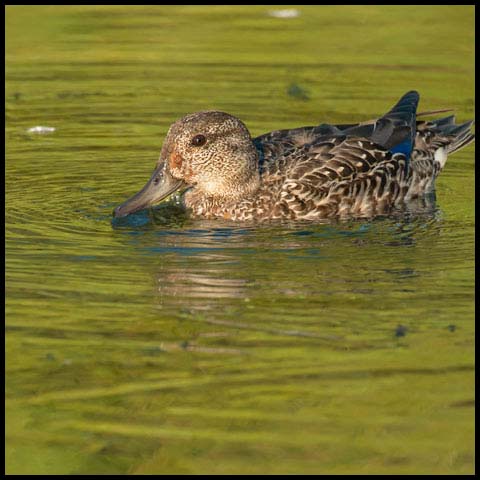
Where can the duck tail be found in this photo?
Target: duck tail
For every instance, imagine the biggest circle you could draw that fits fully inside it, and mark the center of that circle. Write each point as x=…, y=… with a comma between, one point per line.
x=462, y=141
x=459, y=136
x=435, y=140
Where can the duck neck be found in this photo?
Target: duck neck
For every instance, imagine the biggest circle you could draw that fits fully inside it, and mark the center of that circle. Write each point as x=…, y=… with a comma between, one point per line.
x=240, y=186
x=215, y=197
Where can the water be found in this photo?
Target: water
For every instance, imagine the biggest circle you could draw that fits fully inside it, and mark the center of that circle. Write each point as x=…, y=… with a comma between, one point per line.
x=167, y=345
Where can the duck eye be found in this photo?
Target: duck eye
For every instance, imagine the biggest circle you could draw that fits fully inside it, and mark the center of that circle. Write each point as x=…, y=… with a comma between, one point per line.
x=198, y=140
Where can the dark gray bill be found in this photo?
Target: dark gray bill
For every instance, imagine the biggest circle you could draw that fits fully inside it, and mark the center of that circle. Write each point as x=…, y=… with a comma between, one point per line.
x=160, y=185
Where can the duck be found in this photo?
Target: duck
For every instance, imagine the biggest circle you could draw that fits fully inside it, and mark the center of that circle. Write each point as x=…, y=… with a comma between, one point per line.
x=317, y=172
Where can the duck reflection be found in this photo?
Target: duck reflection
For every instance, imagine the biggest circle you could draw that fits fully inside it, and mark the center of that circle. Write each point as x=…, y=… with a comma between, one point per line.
x=214, y=263
x=209, y=284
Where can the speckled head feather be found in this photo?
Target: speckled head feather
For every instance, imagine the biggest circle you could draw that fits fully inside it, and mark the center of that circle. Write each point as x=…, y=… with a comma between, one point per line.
x=213, y=152
x=311, y=173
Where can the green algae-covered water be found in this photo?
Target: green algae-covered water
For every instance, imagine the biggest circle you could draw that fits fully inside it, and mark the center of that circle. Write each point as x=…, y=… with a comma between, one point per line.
x=167, y=345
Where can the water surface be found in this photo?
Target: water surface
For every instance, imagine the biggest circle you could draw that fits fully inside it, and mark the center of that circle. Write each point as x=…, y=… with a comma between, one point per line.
x=167, y=345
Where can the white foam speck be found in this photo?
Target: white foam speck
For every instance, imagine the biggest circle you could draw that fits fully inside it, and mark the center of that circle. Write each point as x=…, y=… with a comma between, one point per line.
x=40, y=129
x=285, y=13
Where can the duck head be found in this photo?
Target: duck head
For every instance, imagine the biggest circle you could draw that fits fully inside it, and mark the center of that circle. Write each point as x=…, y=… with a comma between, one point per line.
x=211, y=152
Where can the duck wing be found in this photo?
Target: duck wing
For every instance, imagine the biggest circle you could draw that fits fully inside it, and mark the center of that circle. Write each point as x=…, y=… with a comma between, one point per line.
x=394, y=131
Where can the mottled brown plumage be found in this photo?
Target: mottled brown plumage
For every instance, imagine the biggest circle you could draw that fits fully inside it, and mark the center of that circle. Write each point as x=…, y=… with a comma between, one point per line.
x=309, y=173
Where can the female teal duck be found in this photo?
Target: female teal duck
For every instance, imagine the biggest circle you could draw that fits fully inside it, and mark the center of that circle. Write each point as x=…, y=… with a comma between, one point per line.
x=309, y=173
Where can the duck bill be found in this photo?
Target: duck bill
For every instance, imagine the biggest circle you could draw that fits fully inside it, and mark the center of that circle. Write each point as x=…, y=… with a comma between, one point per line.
x=160, y=185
